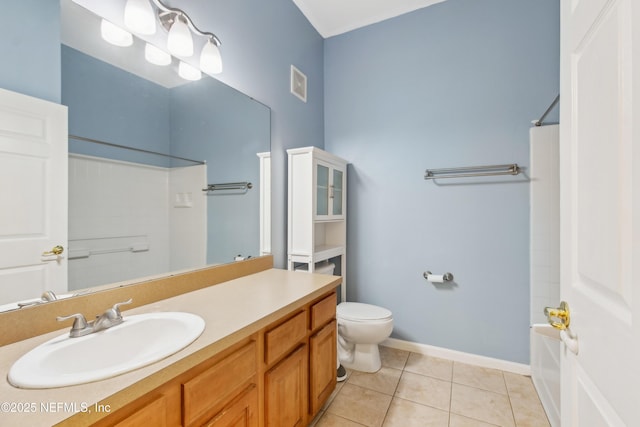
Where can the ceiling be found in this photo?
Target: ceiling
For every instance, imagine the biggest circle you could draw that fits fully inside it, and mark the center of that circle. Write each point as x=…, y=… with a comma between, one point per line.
x=333, y=17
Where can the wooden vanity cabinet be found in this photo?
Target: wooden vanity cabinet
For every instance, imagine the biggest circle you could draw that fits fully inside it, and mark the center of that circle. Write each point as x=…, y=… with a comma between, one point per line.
x=322, y=352
x=278, y=377
x=222, y=391
x=160, y=408
x=213, y=392
x=285, y=392
x=300, y=382
x=286, y=372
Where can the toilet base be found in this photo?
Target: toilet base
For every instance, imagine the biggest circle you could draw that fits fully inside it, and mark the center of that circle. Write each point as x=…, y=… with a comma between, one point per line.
x=366, y=358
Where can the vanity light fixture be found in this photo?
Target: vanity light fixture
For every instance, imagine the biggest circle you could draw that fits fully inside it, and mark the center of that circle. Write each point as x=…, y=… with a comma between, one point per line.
x=156, y=56
x=179, y=40
x=188, y=72
x=115, y=35
x=210, y=59
x=183, y=37
x=139, y=17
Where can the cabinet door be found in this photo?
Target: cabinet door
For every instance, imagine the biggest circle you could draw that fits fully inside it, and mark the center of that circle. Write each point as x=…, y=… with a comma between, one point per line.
x=329, y=191
x=322, y=371
x=286, y=391
x=322, y=189
x=240, y=413
x=336, y=193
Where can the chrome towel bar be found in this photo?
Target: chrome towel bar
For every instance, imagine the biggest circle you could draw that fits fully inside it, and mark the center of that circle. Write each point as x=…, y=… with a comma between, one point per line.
x=511, y=169
x=229, y=186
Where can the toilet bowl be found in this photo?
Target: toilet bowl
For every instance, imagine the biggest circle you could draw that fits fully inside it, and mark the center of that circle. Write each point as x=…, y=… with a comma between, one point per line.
x=361, y=327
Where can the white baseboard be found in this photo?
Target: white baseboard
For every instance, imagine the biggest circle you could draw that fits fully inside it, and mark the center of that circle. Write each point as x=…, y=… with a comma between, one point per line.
x=459, y=356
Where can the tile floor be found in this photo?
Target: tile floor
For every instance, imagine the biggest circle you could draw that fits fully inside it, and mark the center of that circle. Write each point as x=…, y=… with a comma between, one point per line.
x=417, y=390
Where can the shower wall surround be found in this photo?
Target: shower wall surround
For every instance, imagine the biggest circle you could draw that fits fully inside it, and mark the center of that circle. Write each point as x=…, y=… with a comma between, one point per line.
x=125, y=220
x=454, y=84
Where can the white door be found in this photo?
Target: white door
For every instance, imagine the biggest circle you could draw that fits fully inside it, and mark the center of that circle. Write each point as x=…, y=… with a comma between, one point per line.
x=600, y=210
x=33, y=196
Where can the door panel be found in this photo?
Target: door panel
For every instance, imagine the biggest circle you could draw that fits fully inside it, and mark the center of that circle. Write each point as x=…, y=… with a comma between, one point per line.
x=33, y=206
x=599, y=200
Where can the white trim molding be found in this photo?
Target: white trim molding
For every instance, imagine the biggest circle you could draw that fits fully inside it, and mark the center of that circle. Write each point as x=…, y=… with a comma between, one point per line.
x=458, y=356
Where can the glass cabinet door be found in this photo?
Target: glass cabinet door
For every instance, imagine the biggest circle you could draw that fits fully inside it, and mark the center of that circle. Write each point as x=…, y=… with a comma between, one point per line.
x=322, y=190
x=336, y=193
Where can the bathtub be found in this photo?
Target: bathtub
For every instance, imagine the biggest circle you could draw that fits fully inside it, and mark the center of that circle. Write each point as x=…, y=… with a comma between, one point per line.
x=545, y=368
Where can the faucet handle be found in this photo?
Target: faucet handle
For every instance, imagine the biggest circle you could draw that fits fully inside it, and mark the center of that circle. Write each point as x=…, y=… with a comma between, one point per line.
x=80, y=326
x=116, y=306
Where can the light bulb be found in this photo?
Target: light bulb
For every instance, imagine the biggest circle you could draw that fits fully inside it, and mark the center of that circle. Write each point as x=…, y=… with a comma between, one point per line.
x=156, y=56
x=210, y=59
x=179, y=41
x=188, y=72
x=115, y=35
x=139, y=17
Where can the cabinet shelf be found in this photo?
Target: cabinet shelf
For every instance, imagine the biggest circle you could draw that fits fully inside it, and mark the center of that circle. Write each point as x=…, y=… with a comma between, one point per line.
x=320, y=253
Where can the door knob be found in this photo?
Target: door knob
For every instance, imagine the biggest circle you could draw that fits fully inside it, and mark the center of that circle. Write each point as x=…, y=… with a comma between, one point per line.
x=56, y=250
x=559, y=317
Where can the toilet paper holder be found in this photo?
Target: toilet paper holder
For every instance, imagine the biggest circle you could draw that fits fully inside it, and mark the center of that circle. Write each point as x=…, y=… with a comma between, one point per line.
x=437, y=278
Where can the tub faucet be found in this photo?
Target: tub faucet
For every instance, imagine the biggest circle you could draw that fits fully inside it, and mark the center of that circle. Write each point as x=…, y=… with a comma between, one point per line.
x=109, y=318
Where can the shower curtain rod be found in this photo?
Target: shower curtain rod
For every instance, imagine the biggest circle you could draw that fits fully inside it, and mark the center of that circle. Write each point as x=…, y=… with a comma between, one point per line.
x=544, y=115
x=140, y=150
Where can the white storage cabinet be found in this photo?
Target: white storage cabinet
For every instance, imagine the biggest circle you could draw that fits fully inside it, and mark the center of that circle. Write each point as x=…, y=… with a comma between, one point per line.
x=317, y=209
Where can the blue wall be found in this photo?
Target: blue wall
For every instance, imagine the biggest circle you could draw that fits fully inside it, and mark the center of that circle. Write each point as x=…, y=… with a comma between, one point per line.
x=454, y=84
x=260, y=41
x=112, y=105
x=212, y=121
x=30, y=48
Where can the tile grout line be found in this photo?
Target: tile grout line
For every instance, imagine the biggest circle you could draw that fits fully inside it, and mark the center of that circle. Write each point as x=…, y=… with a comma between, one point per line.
x=451, y=394
x=513, y=413
x=451, y=382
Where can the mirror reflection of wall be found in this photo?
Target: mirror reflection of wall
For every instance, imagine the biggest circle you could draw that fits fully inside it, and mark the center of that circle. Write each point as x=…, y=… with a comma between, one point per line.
x=204, y=120
x=130, y=215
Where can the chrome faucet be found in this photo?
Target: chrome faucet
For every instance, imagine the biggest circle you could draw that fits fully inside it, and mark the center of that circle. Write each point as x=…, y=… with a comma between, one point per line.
x=111, y=317
x=47, y=296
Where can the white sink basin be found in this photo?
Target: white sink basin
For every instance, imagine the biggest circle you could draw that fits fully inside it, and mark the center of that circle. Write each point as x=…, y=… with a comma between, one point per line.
x=140, y=340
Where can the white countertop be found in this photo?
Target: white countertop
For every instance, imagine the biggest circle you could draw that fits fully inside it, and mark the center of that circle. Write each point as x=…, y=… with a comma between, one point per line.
x=232, y=311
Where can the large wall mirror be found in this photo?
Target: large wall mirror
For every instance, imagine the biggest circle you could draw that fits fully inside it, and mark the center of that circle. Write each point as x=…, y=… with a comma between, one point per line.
x=143, y=145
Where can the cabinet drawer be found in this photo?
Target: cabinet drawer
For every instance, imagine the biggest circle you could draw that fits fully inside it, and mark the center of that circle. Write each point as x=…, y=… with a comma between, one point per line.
x=282, y=338
x=154, y=414
x=323, y=311
x=210, y=390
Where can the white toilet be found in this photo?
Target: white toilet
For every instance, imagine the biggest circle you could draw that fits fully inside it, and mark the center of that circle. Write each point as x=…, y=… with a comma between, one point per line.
x=361, y=327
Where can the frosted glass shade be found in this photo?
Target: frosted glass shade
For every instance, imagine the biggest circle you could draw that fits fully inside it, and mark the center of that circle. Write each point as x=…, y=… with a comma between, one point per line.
x=179, y=41
x=115, y=35
x=139, y=17
x=156, y=56
x=210, y=59
x=188, y=72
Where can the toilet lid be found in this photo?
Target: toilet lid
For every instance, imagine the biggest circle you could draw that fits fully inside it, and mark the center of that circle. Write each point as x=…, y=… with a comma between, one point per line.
x=359, y=311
